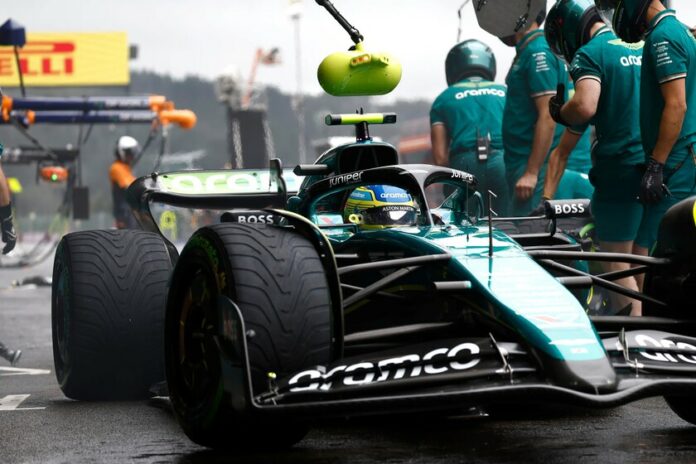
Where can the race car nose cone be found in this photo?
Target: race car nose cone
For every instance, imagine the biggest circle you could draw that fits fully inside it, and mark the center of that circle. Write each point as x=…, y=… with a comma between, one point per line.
x=592, y=376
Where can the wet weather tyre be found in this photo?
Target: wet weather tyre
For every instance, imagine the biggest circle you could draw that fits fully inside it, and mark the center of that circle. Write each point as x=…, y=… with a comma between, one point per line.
x=107, y=313
x=683, y=406
x=275, y=276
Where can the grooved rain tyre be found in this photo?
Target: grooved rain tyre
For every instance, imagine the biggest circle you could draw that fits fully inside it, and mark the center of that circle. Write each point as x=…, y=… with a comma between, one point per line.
x=277, y=280
x=107, y=313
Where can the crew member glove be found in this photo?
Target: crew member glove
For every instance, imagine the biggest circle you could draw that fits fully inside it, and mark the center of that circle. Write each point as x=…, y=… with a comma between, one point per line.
x=9, y=237
x=652, y=188
x=556, y=103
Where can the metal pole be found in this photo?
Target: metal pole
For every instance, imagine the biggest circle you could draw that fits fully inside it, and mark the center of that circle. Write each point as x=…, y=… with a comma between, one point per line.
x=19, y=71
x=299, y=99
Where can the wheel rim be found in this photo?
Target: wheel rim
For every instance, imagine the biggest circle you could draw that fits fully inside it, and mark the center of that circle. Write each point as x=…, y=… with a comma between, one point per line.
x=195, y=356
x=61, y=319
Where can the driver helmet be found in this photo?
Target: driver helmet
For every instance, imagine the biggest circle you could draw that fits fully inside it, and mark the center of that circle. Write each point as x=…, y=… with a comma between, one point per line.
x=470, y=58
x=627, y=17
x=380, y=207
x=568, y=26
x=127, y=148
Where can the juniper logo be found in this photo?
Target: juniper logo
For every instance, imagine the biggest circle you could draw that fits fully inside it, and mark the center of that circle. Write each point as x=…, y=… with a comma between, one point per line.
x=345, y=179
x=465, y=176
x=479, y=93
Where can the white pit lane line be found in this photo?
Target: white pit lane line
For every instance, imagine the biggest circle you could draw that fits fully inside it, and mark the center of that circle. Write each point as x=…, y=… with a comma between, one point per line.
x=8, y=371
x=12, y=402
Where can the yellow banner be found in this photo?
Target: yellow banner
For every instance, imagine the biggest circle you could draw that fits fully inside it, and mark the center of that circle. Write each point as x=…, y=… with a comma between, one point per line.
x=68, y=59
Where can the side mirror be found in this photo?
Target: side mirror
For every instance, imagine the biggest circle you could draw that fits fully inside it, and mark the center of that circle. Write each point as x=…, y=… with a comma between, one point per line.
x=359, y=73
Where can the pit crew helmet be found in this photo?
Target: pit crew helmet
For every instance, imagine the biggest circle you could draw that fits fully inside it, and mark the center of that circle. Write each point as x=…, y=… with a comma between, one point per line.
x=125, y=147
x=380, y=207
x=627, y=17
x=470, y=58
x=568, y=26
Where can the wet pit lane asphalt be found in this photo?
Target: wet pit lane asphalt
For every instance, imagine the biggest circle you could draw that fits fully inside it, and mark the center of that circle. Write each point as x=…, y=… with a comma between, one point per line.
x=39, y=425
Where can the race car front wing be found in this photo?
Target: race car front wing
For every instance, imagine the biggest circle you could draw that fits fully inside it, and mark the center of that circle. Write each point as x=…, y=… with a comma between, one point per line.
x=449, y=375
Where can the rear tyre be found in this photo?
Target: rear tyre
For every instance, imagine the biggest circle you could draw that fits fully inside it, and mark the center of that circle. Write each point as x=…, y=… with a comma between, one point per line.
x=107, y=313
x=277, y=280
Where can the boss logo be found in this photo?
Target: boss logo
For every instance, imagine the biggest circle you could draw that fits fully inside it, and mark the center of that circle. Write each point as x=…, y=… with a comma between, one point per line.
x=249, y=217
x=256, y=219
x=573, y=208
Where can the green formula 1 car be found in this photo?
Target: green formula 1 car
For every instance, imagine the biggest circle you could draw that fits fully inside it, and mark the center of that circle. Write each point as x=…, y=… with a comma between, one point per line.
x=353, y=295
x=358, y=286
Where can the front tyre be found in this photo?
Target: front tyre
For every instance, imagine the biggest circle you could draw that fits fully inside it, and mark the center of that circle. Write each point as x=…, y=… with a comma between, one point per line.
x=277, y=280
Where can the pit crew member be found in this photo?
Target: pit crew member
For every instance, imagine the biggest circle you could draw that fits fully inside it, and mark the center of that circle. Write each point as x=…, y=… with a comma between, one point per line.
x=529, y=132
x=606, y=73
x=466, y=119
x=667, y=103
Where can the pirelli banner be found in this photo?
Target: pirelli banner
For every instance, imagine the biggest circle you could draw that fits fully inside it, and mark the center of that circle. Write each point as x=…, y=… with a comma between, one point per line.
x=68, y=59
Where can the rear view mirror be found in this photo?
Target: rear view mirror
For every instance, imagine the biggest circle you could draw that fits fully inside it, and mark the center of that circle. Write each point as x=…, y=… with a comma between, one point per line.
x=359, y=73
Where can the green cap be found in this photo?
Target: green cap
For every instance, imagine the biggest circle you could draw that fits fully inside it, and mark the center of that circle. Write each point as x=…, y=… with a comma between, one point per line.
x=568, y=26
x=470, y=58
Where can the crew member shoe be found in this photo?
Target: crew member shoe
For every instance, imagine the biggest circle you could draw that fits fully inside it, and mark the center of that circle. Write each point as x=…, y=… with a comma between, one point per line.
x=13, y=356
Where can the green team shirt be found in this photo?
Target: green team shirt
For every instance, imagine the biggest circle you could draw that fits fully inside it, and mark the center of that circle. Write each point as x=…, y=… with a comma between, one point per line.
x=471, y=108
x=536, y=72
x=669, y=54
x=616, y=65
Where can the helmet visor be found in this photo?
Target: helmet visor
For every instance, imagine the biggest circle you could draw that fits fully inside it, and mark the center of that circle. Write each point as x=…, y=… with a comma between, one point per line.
x=391, y=215
x=554, y=37
x=131, y=152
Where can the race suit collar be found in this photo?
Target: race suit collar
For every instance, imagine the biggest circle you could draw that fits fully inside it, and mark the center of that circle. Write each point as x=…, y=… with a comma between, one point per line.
x=659, y=17
x=600, y=31
x=528, y=38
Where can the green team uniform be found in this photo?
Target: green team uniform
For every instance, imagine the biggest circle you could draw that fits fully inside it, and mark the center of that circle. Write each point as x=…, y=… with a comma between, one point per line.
x=618, y=152
x=536, y=72
x=669, y=54
x=470, y=109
